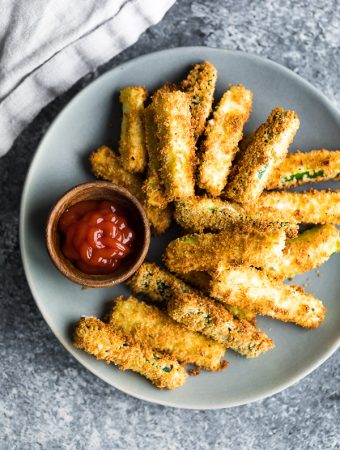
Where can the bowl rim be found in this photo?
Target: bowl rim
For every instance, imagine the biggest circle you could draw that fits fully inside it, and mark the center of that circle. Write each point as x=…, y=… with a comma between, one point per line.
x=89, y=280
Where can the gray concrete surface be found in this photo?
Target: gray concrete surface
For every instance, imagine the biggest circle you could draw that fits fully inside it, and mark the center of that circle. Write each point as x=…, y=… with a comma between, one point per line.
x=47, y=400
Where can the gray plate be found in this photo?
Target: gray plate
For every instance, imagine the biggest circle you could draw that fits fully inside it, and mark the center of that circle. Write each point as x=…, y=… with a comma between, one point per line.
x=91, y=119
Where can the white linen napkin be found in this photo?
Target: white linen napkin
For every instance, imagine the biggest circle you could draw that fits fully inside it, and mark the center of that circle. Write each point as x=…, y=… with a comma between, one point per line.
x=47, y=45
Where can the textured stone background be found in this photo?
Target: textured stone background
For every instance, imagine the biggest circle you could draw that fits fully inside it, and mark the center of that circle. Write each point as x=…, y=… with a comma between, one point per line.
x=49, y=401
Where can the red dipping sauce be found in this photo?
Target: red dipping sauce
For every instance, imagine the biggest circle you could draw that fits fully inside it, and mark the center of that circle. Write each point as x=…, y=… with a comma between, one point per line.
x=96, y=236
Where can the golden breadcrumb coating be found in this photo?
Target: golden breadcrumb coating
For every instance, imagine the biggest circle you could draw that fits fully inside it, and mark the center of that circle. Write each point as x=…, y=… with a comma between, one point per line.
x=161, y=286
x=252, y=289
x=107, y=165
x=211, y=319
x=153, y=186
x=165, y=88
x=198, y=214
x=203, y=252
x=111, y=345
x=160, y=219
x=200, y=86
x=153, y=327
x=131, y=144
x=177, y=149
x=305, y=207
x=267, y=148
x=158, y=284
x=300, y=168
x=307, y=251
x=201, y=280
x=222, y=135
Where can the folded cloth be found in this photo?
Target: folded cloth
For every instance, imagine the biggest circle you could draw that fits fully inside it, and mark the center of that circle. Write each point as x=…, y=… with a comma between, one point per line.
x=47, y=45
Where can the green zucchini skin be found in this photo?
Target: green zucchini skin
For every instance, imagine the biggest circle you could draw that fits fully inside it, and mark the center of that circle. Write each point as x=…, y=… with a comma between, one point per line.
x=301, y=168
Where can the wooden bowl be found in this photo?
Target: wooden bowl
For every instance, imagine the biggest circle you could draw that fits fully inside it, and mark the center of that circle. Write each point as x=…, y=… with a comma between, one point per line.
x=135, y=215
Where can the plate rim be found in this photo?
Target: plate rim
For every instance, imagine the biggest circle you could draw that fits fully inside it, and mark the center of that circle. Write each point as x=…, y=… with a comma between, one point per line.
x=24, y=255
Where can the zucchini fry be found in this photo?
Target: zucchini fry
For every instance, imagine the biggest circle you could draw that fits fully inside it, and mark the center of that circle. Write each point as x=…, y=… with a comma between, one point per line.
x=160, y=219
x=107, y=165
x=203, y=252
x=150, y=325
x=159, y=286
x=177, y=149
x=267, y=149
x=252, y=289
x=299, y=168
x=305, y=207
x=213, y=320
x=111, y=345
x=200, y=85
x=201, y=280
x=308, y=251
x=222, y=135
x=153, y=186
x=198, y=214
x=131, y=145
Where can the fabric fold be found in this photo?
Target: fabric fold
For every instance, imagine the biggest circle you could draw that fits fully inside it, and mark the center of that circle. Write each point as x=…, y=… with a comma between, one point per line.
x=68, y=61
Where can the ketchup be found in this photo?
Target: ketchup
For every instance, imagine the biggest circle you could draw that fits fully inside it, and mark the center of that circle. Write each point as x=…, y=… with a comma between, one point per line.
x=95, y=236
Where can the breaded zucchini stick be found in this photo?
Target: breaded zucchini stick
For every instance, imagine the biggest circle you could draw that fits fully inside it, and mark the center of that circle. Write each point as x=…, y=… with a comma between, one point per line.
x=160, y=219
x=200, y=85
x=153, y=185
x=252, y=289
x=198, y=214
x=107, y=165
x=160, y=285
x=213, y=320
x=177, y=149
x=305, y=207
x=165, y=88
x=111, y=345
x=222, y=134
x=308, y=251
x=267, y=149
x=203, y=252
x=201, y=280
x=132, y=145
x=299, y=168
x=150, y=325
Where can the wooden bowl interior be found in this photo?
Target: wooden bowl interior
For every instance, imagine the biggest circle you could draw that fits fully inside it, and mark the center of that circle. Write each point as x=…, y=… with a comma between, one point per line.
x=130, y=208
